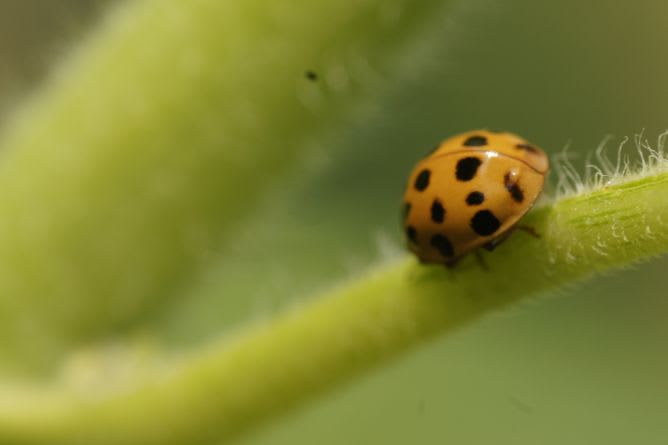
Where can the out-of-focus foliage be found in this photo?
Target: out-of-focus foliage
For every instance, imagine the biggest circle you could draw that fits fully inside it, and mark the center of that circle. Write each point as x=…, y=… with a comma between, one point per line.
x=128, y=171
x=586, y=369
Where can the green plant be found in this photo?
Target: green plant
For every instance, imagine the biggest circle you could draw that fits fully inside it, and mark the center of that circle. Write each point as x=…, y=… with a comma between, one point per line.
x=156, y=137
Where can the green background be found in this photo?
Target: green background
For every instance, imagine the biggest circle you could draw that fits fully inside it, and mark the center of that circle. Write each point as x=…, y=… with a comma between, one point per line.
x=587, y=367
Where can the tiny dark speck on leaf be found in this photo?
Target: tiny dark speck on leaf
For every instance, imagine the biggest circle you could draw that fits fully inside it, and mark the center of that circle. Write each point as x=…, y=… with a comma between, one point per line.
x=311, y=75
x=521, y=405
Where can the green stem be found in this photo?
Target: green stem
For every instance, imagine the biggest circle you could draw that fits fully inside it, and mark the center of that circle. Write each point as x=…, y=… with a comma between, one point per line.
x=124, y=173
x=260, y=373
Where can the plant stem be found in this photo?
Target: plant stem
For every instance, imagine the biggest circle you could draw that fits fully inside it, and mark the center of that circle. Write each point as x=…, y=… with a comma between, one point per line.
x=262, y=372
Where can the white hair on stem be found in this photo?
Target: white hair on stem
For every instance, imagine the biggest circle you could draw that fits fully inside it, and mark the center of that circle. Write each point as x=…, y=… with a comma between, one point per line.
x=602, y=171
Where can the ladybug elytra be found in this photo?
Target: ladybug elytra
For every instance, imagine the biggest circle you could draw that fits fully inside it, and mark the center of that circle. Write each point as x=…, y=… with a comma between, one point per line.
x=470, y=192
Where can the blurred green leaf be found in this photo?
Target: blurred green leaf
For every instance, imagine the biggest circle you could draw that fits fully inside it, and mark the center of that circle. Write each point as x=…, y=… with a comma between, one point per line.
x=122, y=176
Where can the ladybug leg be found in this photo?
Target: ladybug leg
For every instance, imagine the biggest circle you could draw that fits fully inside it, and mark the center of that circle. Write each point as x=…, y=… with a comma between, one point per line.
x=493, y=244
x=528, y=229
x=450, y=264
x=490, y=246
x=481, y=260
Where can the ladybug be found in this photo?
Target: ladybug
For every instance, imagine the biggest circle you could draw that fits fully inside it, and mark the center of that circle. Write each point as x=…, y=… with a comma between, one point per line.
x=470, y=192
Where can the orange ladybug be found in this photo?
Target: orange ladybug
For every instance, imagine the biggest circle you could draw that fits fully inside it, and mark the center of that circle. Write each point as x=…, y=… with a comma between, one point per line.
x=470, y=192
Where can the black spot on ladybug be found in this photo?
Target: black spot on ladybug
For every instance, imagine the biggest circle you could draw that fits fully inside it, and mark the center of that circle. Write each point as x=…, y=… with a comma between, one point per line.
x=311, y=75
x=467, y=168
x=437, y=211
x=527, y=147
x=475, y=198
x=411, y=233
x=443, y=245
x=422, y=180
x=475, y=141
x=515, y=191
x=484, y=223
x=407, y=210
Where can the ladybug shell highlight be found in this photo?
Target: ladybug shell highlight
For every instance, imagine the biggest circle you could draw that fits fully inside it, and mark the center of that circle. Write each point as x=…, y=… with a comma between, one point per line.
x=469, y=193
